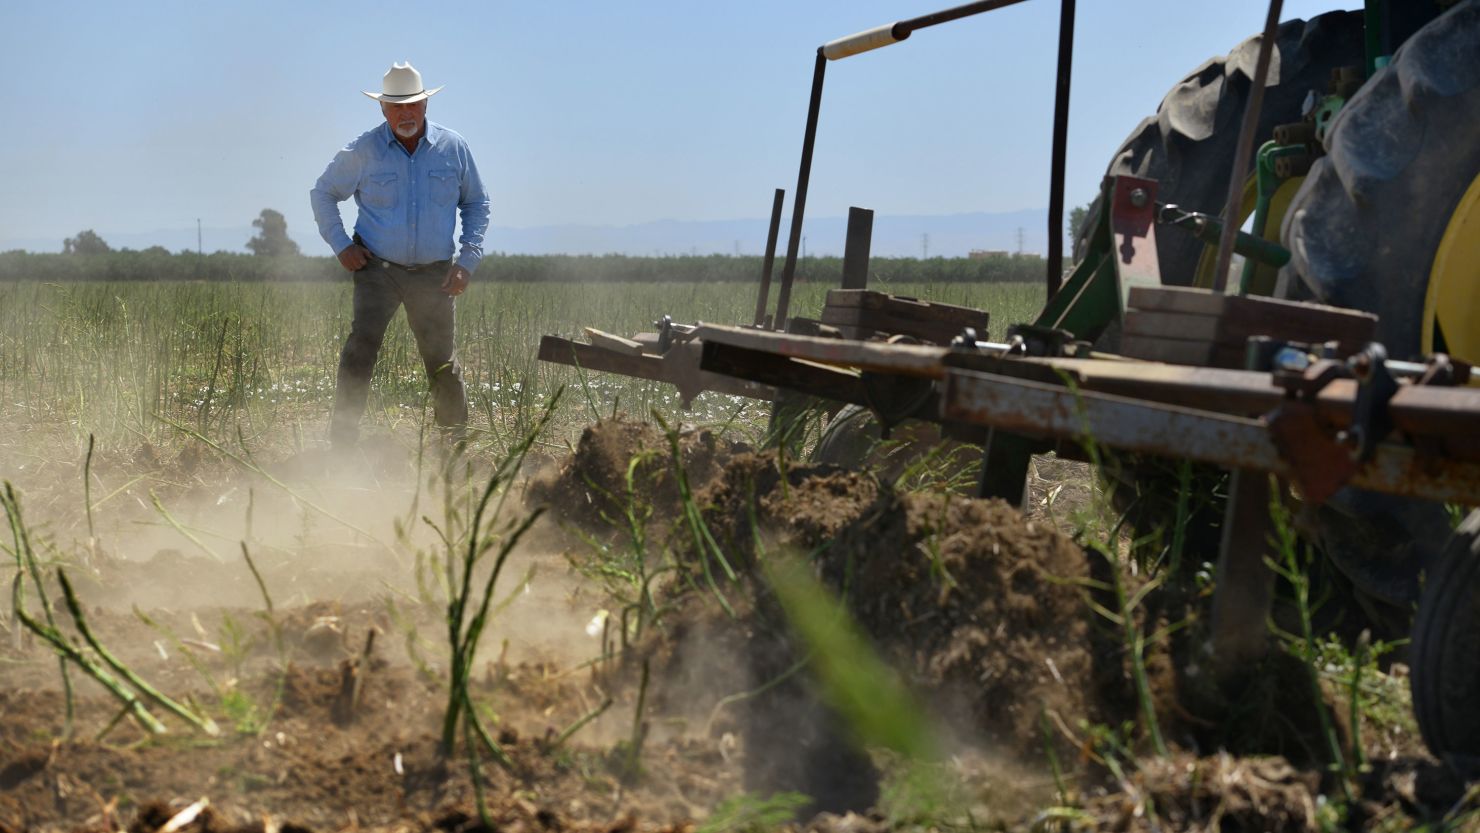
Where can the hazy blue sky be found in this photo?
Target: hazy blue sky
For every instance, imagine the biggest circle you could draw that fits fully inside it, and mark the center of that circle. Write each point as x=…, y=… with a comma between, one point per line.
x=146, y=115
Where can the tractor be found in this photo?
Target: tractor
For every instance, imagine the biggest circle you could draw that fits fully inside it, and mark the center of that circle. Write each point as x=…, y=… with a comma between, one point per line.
x=1340, y=158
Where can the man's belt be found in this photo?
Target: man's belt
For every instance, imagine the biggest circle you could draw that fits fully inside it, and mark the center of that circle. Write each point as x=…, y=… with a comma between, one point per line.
x=419, y=267
x=436, y=265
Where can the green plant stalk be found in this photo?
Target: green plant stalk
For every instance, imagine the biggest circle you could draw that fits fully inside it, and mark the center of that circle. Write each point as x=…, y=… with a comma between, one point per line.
x=704, y=542
x=277, y=637
x=178, y=527
x=67, y=651
x=92, y=536
x=205, y=407
x=204, y=724
x=1179, y=531
x=1289, y=567
x=456, y=609
x=1053, y=758
x=639, y=730
x=465, y=643
x=1135, y=640
x=1131, y=635
x=481, y=733
x=580, y=723
x=25, y=559
x=741, y=696
x=1354, y=693
x=475, y=771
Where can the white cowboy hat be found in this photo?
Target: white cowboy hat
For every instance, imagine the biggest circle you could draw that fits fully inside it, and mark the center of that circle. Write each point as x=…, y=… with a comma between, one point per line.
x=402, y=85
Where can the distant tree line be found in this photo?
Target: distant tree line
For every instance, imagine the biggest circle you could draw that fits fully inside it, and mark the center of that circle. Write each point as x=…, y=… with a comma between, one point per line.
x=275, y=257
x=156, y=264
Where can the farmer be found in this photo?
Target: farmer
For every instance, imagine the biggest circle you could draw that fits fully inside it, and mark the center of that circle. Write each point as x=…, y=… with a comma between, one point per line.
x=409, y=178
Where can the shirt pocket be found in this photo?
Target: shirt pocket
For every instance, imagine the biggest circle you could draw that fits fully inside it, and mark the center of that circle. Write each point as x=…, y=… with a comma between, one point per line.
x=379, y=190
x=445, y=186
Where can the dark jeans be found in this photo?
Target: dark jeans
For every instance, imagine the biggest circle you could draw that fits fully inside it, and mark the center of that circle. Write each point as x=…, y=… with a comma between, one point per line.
x=381, y=288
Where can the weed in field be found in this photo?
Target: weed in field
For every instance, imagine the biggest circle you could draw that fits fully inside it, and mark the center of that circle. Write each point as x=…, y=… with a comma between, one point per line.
x=747, y=813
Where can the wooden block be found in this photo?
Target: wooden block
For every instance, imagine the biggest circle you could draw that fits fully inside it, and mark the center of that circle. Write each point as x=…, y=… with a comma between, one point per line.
x=1175, y=299
x=615, y=343
x=1169, y=350
x=906, y=307
x=1184, y=352
x=1179, y=325
x=1181, y=313
x=867, y=313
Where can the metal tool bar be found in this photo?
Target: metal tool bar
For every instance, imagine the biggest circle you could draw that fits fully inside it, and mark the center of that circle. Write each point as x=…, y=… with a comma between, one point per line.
x=1245, y=148
x=1416, y=410
x=764, y=297
x=1060, y=144
x=879, y=36
x=678, y=367
x=799, y=203
x=1037, y=409
x=902, y=359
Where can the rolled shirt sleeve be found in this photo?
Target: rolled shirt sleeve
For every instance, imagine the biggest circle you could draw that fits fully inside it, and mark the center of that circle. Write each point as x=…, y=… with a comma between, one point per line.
x=335, y=185
x=473, y=206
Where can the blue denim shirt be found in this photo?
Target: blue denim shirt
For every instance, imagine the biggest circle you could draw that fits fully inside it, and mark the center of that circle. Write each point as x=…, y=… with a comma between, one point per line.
x=408, y=201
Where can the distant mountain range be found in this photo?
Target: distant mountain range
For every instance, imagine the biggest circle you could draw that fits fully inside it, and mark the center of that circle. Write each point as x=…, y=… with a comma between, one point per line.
x=944, y=235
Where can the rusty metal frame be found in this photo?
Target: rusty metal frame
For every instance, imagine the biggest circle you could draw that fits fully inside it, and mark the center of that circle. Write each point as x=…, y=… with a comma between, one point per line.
x=1047, y=410
x=680, y=367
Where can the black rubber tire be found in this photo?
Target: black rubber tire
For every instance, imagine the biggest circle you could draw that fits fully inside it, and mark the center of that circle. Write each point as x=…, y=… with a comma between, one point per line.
x=1189, y=145
x=1445, y=654
x=1364, y=227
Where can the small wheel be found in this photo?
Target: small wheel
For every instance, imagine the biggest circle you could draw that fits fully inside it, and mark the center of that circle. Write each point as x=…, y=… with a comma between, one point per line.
x=1445, y=676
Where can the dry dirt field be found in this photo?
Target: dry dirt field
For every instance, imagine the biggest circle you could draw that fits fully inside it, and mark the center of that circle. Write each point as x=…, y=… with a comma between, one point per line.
x=713, y=707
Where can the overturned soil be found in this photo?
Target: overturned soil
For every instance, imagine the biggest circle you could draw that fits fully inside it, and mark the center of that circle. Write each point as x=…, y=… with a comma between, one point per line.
x=330, y=704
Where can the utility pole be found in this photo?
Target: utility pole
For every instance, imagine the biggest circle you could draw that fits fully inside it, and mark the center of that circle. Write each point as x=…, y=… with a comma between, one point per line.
x=925, y=246
x=199, y=250
x=1020, y=241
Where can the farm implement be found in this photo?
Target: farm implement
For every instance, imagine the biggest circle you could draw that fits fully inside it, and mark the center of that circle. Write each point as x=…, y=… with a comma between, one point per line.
x=1140, y=348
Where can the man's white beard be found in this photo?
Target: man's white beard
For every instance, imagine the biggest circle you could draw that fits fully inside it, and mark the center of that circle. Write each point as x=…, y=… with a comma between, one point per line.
x=407, y=130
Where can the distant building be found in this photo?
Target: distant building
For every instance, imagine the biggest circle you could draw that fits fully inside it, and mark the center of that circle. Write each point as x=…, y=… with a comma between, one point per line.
x=983, y=254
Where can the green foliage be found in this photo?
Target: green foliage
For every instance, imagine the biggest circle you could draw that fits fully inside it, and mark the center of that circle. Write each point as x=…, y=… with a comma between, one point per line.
x=749, y=813
x=86, y=242
x=1077, y=216
x=272, y=238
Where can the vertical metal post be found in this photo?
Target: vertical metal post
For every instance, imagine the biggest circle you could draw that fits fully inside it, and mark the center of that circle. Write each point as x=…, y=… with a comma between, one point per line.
x=1244, y=588
x=799, y=204
x=1245, y=149
x=1060, y=146
x=1004, y=471
x=855, y=250
x=770, y=261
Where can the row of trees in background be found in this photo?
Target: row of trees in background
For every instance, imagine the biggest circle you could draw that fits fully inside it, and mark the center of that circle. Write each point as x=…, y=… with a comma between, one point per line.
x=275, y=257
x=156, y=264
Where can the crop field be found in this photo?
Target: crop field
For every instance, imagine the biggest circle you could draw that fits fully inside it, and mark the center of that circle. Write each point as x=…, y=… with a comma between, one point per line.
x=604, y=612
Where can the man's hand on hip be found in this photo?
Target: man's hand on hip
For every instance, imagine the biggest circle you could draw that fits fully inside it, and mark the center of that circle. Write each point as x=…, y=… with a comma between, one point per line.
x=354, y=257
x=456, y=280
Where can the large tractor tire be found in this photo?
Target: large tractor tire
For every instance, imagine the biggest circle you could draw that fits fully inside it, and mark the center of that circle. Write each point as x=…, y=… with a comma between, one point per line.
x=1389, y=220
x=1189, y=145
x=1446, y=650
